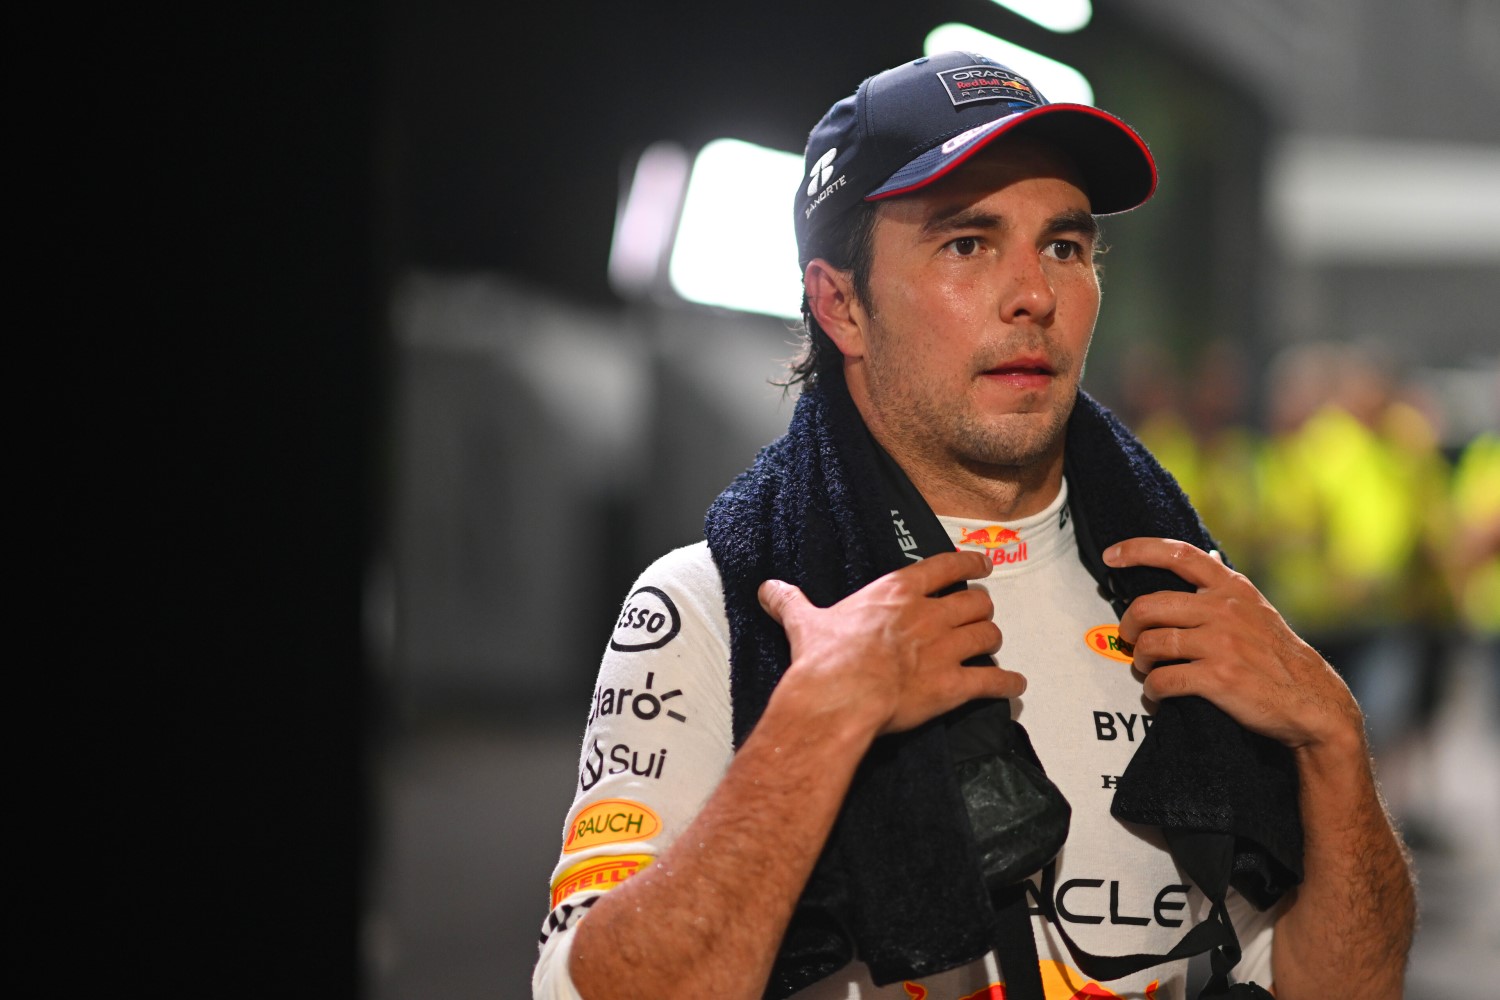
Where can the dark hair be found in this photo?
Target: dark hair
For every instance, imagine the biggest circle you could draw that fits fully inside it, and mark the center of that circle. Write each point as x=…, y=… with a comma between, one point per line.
x=849, y=245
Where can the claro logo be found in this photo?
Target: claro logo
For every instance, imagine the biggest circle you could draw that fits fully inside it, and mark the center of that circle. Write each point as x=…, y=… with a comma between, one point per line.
x=649, y=621
x=609, y=822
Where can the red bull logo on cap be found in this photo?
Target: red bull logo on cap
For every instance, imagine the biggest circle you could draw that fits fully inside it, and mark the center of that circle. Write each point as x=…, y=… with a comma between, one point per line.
x=997, y=541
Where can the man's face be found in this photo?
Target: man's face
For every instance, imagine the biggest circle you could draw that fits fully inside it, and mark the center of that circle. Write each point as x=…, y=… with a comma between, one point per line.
x=983, y=299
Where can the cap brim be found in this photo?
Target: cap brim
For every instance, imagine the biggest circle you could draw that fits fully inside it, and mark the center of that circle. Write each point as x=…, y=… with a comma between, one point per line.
x=1116, y=165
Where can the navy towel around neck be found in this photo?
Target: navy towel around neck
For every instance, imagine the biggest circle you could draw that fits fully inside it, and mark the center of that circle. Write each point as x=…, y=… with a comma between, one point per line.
x=898, y=884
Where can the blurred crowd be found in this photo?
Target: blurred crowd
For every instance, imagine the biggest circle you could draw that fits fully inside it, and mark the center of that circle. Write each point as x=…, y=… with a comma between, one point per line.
x=1340, y=493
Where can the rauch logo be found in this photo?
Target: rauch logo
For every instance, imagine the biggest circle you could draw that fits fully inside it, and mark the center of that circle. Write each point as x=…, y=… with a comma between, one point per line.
x=609, y=822
x=1105, y=640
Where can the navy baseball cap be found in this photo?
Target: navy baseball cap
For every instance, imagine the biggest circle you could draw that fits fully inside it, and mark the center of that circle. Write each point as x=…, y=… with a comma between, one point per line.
x=907, y=126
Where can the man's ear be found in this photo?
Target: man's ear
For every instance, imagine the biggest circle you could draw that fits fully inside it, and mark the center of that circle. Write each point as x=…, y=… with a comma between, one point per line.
x=831, y=299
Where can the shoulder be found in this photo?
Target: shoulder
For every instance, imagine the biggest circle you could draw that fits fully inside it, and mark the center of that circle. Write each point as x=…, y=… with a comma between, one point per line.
x=673, y=620
x=681, y=588
x=691, y=568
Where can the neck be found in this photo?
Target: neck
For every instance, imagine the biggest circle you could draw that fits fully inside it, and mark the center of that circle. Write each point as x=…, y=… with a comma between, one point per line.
x=987, y=492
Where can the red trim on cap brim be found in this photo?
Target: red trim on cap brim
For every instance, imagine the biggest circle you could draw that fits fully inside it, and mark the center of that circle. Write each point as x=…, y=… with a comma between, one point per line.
x=1007, y=124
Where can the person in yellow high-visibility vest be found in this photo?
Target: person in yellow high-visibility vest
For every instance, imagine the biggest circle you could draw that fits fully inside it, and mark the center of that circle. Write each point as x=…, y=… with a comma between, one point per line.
x=1474, y=560
x=1352, y=493
x=1198, y=429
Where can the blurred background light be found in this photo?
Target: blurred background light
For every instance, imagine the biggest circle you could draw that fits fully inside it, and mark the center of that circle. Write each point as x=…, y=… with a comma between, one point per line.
x=1374, y=200
x=1055, y=15
x=1057, y=81
x=646, y=217
x=735, y=246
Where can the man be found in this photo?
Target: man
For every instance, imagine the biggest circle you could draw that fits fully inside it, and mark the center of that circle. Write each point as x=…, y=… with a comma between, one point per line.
x=767, y=801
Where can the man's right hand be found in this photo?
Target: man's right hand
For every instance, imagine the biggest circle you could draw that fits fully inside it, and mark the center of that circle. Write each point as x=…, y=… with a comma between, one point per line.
x=707, y=917
x=890, y=655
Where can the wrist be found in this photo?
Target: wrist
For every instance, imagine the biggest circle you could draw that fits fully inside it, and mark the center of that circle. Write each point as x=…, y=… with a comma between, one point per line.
x=807, y=710
x=1337, y=754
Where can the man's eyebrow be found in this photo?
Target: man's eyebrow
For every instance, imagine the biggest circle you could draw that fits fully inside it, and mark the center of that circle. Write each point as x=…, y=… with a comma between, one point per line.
x=948, y=220
x=945, y=221
x=1074, y=221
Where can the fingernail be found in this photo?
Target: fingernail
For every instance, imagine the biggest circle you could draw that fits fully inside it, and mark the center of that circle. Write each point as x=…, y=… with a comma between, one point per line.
x=1112, y=554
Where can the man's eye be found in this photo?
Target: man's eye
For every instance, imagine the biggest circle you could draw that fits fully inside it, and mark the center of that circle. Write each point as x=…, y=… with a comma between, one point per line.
x=965, y=246
x=1064, y=249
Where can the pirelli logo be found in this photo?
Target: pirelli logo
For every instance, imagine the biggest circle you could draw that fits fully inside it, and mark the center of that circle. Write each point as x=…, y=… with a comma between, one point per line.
x=597, y=874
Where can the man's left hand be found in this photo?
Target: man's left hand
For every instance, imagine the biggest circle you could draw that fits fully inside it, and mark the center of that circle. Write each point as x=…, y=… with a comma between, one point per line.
x=1227, y=644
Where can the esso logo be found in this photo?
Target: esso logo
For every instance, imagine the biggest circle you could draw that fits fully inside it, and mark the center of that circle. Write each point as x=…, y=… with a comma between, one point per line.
x=649, y=620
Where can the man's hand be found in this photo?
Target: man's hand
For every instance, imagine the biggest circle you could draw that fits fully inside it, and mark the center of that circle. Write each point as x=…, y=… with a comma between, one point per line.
x=1237, y=650
x=890, y=654
x=886, y=658
x=1349, y=925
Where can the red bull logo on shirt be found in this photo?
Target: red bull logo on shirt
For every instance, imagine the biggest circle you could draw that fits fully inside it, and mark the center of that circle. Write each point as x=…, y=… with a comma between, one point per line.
x=997, y=540
x=1105, y=640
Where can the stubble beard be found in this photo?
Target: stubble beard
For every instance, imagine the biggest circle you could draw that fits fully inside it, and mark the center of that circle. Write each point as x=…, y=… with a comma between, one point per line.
x=930, y=431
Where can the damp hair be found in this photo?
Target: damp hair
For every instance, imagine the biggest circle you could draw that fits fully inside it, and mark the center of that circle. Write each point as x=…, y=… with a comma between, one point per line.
x=849, y=245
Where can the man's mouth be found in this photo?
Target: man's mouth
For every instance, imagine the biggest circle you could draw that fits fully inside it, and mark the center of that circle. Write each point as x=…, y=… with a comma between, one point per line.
x=1022, y=373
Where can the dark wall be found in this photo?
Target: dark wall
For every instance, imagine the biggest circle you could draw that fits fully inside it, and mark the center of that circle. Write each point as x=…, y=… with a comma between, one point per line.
x=204, y=258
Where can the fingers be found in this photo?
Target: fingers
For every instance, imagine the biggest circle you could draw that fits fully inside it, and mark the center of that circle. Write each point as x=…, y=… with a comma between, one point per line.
x=1166, y=645
x=972, y=604
x=1173, y=681
x=1187, y=561
x=936, y=572
x=1165, y=608
x=989, y=682
x=780, y=599
x=974, y=639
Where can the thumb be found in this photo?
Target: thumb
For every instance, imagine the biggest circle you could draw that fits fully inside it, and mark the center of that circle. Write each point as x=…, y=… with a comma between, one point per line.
x=780, y=599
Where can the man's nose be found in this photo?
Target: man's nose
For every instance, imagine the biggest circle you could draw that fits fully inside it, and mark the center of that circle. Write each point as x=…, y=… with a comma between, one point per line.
x=1028, y=294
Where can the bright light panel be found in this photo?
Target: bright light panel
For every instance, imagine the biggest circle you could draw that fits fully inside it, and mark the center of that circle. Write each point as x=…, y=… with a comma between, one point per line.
x=1055, y=15
x=1336, y=199
x=1058, y=82
x=643, y=225
x=735, y=244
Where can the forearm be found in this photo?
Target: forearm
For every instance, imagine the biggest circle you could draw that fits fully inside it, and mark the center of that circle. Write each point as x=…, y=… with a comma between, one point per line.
x=709, y=915
x=1350, y=925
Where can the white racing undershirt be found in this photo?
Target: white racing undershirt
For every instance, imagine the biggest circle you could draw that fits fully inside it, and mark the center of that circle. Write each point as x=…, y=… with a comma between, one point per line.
x=659, y=738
